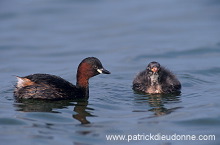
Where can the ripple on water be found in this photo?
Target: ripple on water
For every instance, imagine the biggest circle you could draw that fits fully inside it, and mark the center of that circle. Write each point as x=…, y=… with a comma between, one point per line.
x=11, y=121
x=201, y=122
x=47, y=117
x=213, y=71
x=156, y=105
x=191, y=80
x=198, y=52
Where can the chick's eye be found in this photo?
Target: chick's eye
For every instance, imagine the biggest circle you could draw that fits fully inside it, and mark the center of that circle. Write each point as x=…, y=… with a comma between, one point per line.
x=95, y=67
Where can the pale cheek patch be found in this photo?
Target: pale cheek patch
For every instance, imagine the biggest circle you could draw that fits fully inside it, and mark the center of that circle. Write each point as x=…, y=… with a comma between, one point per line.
x=99, y=70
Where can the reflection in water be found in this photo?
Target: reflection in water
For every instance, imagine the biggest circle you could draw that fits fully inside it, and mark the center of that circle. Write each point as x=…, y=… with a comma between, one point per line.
x=157, y=103
x=30, y=105
x=80, y=107
x=80, y=113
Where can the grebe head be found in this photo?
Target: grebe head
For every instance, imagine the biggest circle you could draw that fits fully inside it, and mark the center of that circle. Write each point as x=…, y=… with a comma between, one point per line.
x=88, y=68
x=153, y=72
x=92, y=66
x=153, y=67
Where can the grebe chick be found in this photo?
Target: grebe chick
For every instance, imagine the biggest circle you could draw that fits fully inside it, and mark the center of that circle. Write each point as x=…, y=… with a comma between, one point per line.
x=51, y=87
x=156, y=79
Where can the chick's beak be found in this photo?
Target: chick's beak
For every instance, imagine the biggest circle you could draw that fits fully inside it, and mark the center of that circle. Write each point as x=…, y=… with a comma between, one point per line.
x=103, y=71
x=154, y=69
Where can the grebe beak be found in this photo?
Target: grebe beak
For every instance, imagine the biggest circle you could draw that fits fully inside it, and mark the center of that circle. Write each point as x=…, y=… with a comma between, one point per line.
x=154, y=69
x=103, y=71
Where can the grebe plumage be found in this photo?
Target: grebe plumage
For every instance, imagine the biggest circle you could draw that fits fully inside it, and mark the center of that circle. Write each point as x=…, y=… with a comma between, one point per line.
x=51, y=87
x=155, y=80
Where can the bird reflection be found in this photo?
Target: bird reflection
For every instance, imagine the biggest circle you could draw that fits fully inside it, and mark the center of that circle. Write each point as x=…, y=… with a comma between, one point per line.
x=80, y=107
x=157, y=103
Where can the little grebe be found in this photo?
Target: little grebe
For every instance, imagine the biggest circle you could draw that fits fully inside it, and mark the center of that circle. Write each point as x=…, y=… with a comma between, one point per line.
x=156, y=79
x=45, y=86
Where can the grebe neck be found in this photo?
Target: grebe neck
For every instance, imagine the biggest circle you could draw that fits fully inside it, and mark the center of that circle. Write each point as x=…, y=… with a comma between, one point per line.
x=82, y=82
x=154, y=78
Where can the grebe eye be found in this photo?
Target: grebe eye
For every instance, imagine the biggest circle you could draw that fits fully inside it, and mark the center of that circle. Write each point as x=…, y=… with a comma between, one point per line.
x=95, y=67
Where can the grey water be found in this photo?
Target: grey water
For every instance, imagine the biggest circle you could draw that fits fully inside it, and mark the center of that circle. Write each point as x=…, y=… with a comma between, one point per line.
x=53, y=36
